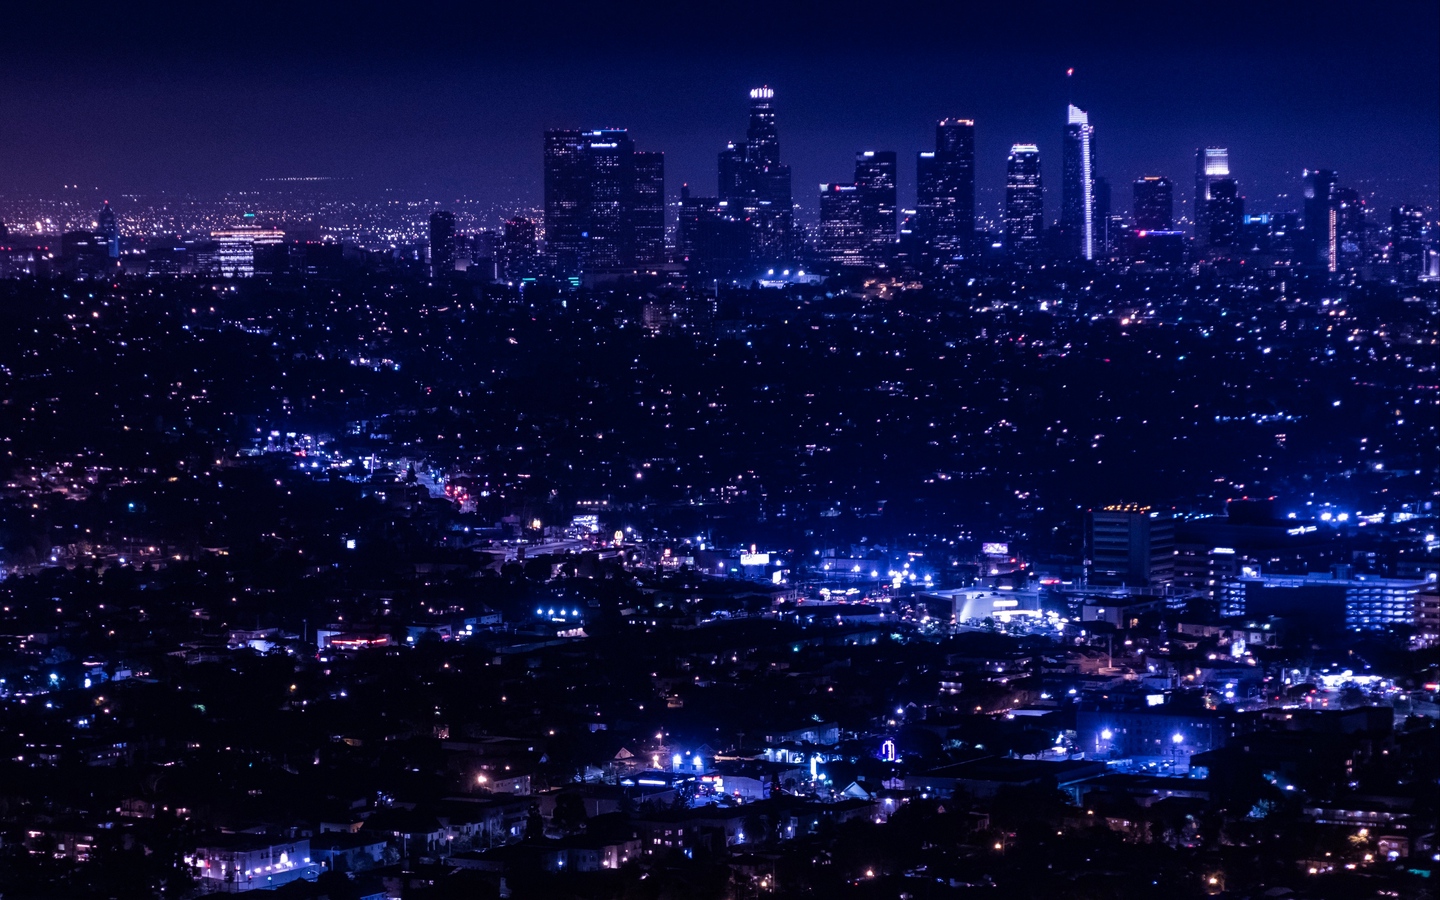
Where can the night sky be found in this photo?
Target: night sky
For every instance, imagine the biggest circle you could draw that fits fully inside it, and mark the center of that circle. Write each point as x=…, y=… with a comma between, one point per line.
x=439, y=100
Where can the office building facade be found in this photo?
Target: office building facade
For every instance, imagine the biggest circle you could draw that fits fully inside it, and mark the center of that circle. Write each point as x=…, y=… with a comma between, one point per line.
x=875, y=177
x=1077, y=185
x=1154, y=204
x=1130, y=545
x=844, y=239
x=945, y=191
x=604, y=202
x=1024, y=203
x=442, y=243
x=1211, y=165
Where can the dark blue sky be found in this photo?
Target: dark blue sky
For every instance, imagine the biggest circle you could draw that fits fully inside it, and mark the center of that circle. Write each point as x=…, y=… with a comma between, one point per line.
x=451, y=98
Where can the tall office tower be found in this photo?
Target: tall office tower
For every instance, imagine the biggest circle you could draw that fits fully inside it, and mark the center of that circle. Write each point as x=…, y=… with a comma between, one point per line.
x=108, y=228
x=762, y=141
x=843, y=237
x=610, y=157
x=1211, y=165
x=1407, y=241
x=735, y=180
x=945, y=190
x=755, y=186
x=565, y=189
x=1320, y=217
x=1024, y=202
x=1350, y=228
x=875, y=179
x=1077, y=184
x=442, y=243
x=517, y=247
x=1154, y=204
x=604, y=202
x=1226, y=212
x=1130, y=545
x=647, y=209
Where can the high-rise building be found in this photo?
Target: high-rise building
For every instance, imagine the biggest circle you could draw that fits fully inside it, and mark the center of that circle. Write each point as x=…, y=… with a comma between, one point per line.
x=1407, y=241
x=647, y=210
x=610, y=174
x=1024, y=202
x=1130, y=545
x=1351, y=239
x=604, y=202
x=517, y=247
x=1226, y=213
x=1321, y=217
x=1077, y=185
x=844, y=239
x=1211, y=165
x=1154, y=204
x=442, y=243
x=108, y=228
x=565, y=189
x=875, y=180
x=762, y=140
x=945, y=190
x=755, y=186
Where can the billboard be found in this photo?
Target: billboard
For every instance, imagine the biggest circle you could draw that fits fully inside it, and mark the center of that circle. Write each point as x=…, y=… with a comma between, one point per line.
x=754, y=559
x=995, y=549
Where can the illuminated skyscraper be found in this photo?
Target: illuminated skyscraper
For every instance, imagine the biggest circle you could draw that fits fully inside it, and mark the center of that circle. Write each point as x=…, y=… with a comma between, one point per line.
x=1407, y=241
x=565, y=188
x=1154, y=204
x=1321, y=217
x=875, y=180
x=604, y=202
x=843, y=236
x=108, y=228
x=1211, y=165
x=647, y=210
x=755, y=186
x=517, y=247
x=442, y=243
x=1077, y=185
x=1226, y=213
x=1350, y=229
x=610, y=158
x=762, y=140
x=945, y=190
x=1024, y=202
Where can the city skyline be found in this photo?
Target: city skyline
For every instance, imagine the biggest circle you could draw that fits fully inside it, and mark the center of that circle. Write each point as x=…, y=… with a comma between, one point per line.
x=435, y=119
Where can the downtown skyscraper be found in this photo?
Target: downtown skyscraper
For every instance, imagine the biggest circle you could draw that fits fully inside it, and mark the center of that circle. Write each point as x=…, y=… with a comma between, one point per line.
x=875, y=180
x=945, y=191
x=1322, y=217
x=755, y=186
x=1154, y=204
x=604, y=202
x=1024, y=203
x=1212, y=164
x=1078, y=218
